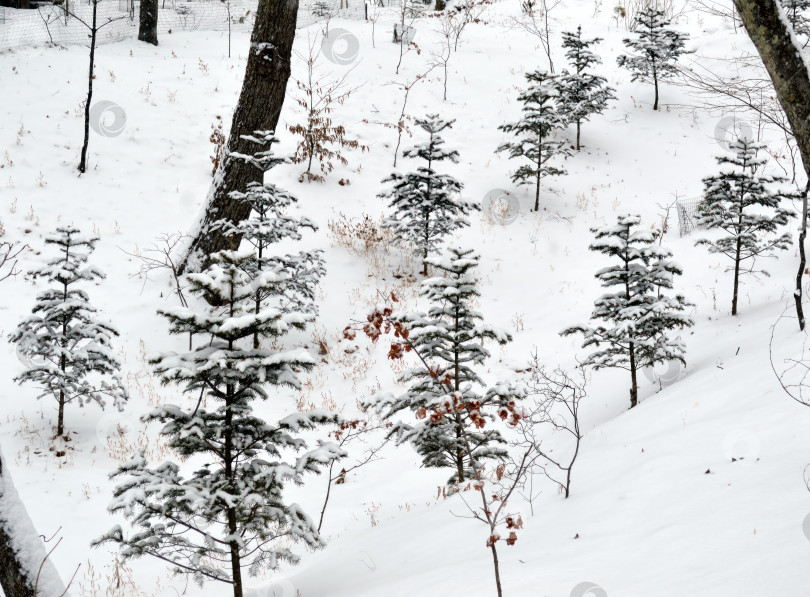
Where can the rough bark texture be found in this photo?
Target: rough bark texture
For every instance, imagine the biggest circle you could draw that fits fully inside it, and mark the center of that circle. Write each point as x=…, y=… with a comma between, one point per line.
x=147, y=29
x=791, y=80
x=259, y=108
x=12, y=580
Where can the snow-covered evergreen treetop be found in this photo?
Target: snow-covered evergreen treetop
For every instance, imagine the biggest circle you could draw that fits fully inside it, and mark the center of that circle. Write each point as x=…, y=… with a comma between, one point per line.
x=425, y=204
x=446, y=395
x=69, y=349
x=745, y=205
x=228, y=514
x=632, y=324
x=296, y=275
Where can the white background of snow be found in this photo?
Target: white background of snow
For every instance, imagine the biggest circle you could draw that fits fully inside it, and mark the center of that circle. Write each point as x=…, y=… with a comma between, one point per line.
x=650, y=522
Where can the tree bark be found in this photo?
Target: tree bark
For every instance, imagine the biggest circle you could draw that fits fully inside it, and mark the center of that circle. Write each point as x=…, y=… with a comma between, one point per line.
x=736, y=275
x=13, y=580
x=762, y=22
x=259, y=108
x=633, y=377
x=147, y=29
x=90, y=77
x=798, y=293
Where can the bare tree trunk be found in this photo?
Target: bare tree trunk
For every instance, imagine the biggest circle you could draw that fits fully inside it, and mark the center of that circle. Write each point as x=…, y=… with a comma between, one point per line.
x=90, y=77
x=797, y=295
x=736, y=277
x=497, y=570
x=259, y=108
x=147, y=30
x=633, y=377
x=769, y=32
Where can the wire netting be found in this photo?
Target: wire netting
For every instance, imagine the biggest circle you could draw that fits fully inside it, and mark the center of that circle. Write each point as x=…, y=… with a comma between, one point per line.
x=688, y=215
x=65, y=23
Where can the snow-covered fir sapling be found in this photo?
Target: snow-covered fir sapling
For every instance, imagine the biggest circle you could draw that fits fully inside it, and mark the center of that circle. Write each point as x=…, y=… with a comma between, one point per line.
x=451, y=409
x=655, y=50
x=225, y=512
x=632, y=326
x=294, y=276
x=426, y=205
x=582, y=94
x=541, y=117
x=745, y=206
x=453, y=416
x=69, y=348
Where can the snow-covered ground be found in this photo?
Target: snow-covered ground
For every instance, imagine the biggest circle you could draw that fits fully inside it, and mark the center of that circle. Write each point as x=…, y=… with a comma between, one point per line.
x=698, y=491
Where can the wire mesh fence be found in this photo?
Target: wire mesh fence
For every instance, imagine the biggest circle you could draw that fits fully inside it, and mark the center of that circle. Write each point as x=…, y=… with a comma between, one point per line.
x=688, y=215
x=65, y=23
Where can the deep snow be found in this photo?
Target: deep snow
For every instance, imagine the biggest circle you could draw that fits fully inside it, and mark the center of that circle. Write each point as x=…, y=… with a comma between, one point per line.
x=650, y=519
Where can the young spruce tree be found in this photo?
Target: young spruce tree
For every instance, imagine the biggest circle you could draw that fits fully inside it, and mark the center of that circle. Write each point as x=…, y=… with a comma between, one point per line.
x=70, y=351
x=227, y=514
x=745, y=206
x=633, y=324
x=295, y=276
x=582, y=94
x=541, y=117
x=444, y=393
x=425, y=204
x=655, y=51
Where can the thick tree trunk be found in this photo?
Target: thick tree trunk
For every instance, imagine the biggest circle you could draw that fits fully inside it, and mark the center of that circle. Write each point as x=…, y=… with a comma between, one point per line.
x=761, y=19
x=785, y=66
x=13, y=580
x=147, y=30
x=259, y=108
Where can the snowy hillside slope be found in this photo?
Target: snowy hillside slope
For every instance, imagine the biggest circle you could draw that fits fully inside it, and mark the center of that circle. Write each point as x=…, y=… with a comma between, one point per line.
x=698, y=491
